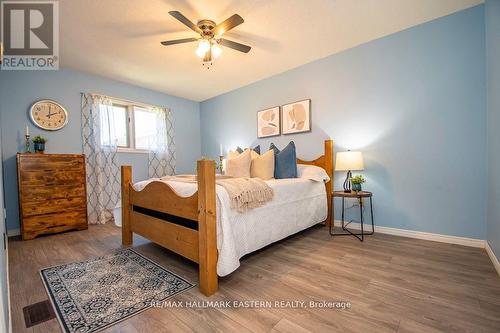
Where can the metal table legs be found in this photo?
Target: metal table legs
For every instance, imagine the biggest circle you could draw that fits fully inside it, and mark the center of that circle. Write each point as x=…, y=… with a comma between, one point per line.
x=361, y=235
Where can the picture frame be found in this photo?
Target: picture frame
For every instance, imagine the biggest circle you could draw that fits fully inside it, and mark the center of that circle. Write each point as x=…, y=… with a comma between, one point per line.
x=296, y=117
x=269, y=122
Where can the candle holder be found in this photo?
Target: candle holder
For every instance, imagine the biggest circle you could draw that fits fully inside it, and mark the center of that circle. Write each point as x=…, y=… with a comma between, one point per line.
x=27, y=144
x=220, y=166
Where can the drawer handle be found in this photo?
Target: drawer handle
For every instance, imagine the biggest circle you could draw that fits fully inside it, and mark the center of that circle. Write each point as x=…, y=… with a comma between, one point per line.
x=56, y=226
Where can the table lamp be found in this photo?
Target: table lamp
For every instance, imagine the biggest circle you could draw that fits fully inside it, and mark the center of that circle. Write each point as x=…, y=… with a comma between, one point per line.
x=349, y=161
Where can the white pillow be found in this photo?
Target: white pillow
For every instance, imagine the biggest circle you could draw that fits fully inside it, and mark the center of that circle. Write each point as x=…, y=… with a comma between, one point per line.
x=312, y=172
x=239, y=165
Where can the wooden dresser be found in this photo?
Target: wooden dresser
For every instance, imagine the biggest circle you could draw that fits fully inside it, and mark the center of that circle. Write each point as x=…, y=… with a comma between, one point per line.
x=52, y=193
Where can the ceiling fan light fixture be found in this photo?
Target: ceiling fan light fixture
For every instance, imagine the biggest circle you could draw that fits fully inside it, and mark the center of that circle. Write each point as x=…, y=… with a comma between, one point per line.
x=200, y=53
x=216, y=50
x=203, y=48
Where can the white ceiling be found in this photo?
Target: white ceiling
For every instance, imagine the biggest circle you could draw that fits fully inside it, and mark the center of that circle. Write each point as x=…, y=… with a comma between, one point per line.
x=120, y=39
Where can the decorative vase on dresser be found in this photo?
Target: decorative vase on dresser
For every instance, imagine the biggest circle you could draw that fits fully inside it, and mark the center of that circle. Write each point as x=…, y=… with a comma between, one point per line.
x=52, y=193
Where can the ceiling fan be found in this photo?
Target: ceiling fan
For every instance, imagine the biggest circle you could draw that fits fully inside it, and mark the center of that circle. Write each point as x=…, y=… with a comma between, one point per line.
x=210, y=36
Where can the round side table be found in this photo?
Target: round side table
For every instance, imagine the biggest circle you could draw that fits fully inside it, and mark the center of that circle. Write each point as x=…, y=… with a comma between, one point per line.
x=355, y=195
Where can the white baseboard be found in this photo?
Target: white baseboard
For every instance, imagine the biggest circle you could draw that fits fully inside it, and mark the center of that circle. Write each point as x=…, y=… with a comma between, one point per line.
x=493, y=257
x=13, y=232
x=472, y=242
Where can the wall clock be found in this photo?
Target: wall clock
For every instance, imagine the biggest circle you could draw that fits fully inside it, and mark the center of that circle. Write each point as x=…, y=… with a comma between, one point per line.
x=48, y=115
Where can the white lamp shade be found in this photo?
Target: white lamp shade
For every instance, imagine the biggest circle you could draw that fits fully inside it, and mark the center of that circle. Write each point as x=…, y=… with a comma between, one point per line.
x=349, y=160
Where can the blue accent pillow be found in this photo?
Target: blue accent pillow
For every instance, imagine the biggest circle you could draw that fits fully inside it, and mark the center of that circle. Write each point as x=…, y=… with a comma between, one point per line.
x=285, y=161
x=256, y=149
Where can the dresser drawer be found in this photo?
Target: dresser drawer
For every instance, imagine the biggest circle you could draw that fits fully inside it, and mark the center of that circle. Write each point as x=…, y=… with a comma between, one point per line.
x=53, y=206
x=51, y=163
x=52, y=223
x=38, y=193
x=59, y=177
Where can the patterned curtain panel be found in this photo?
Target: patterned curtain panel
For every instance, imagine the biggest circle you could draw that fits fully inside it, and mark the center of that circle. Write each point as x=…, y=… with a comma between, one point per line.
x=99, y=147
x=162, y=145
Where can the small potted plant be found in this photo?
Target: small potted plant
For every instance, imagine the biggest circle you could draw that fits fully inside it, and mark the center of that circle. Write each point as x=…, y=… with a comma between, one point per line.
x=39, y=143
x=356, y=182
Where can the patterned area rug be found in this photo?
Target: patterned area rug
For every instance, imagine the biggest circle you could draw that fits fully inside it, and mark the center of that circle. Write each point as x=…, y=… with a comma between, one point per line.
x=91, y=295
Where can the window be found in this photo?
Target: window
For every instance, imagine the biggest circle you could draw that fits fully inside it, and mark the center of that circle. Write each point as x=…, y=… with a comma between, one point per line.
x=134, y=127
x=145, y=128
x=115, y=122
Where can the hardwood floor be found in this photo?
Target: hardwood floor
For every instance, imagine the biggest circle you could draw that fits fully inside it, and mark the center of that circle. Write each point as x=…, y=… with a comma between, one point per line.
x=394, y=284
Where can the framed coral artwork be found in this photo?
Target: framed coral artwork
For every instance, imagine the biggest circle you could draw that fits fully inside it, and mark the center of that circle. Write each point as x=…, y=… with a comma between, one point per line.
x=296, y=117
x=268, y=122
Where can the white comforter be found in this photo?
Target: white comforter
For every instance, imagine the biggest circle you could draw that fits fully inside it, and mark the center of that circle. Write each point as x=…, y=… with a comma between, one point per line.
x=297, y=204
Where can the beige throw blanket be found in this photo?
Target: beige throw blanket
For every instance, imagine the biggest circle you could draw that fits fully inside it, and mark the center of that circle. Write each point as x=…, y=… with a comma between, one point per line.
x=244, y=193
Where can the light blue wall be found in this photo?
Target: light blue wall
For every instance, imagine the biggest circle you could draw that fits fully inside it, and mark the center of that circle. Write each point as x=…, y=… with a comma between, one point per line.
x=492, y=11
x=18, y=90
x=413, y=102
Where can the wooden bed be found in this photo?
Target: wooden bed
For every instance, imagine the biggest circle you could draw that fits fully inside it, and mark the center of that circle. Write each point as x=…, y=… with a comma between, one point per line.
x=187, y=225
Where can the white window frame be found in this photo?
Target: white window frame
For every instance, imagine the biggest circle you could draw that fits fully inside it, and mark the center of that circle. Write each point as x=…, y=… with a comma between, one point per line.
x=131, y=126
x=127, y=115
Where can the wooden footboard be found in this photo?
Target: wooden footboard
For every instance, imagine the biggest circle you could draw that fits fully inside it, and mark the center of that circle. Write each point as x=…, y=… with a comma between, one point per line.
x=187, y=225
x=183, y=225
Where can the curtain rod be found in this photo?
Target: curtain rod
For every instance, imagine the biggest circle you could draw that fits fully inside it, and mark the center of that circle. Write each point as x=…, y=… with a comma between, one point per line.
x=128, y=101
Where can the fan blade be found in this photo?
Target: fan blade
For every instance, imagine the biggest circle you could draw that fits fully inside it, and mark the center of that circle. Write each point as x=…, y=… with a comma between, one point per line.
x=236, y=46
x=228, y=24
x=179, y=41
x=184, y=20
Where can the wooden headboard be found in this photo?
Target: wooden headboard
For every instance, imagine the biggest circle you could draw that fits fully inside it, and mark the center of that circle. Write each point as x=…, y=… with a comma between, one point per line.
x=325, y=161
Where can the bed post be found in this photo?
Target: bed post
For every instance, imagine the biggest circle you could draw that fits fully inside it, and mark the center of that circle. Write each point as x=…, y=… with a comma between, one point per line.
x=126, y=182
x=329, y=185
x=207, y=233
